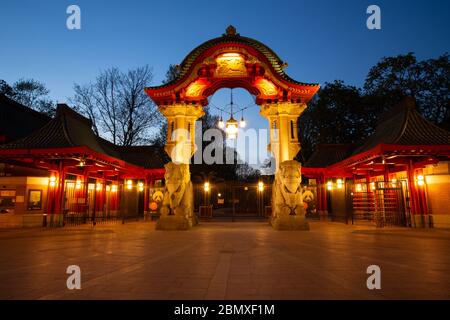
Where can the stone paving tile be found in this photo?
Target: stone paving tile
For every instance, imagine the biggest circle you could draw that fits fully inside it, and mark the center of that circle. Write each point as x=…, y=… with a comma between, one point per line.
x=241, y=260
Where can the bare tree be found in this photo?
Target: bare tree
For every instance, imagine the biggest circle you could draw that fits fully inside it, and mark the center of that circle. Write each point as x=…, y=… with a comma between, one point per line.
x=118, y=106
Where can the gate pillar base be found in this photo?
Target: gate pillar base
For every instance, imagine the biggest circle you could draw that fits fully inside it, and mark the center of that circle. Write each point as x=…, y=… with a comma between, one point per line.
x=174, y=223
x=290, y=223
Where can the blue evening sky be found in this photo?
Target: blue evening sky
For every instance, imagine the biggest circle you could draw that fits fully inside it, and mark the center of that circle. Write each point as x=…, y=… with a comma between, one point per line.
x=321, y=40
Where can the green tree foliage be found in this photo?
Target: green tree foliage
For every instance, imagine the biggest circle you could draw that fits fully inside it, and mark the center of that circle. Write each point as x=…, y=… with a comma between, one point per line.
x=340, y=113
x=427, y=81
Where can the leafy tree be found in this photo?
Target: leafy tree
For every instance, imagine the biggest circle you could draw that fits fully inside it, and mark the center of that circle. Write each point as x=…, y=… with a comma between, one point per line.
x=427, y=81
x=340, y=113
x=335, y=115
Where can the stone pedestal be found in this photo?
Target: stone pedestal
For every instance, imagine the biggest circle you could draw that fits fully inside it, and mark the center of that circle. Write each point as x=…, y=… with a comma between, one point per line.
x=177, y=206
x=288, y=212
x=289, y=223
x=173, y=222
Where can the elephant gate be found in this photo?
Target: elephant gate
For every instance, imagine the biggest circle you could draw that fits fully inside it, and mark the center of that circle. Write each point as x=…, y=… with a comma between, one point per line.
x=232, y=61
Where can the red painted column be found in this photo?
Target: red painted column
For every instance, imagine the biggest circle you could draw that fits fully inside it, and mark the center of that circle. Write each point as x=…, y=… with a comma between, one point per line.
x=413, y=195
x=146, y=194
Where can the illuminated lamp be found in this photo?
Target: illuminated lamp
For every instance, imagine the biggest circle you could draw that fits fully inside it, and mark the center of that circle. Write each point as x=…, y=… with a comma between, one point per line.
x=108, y=188
x=52, y=181
x=78, y=184
x=140, y=186
x=129, y=184
x=231, y=128
x=420, y=180
x=260, y=186
x=99, y=187
x=242, y=123
x=221, y=123
x=339, y=183
x=394, y=182
x=206, y=186
x=114, y=188
x=330, y=185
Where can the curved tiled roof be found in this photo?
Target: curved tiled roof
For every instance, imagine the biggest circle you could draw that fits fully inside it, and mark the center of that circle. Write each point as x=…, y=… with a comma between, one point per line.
x=234, y=38
x=404, y=125
x=30, y=120
x=71, y=129
x=67, y=129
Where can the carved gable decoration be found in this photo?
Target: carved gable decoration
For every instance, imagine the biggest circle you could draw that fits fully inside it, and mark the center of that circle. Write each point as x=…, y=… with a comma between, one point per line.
x=232, y=61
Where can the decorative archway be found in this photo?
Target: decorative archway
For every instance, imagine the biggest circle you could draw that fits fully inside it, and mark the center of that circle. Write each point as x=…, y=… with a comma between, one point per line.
x=232, y=61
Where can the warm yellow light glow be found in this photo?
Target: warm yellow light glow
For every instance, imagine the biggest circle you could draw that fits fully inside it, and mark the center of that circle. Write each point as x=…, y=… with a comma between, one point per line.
x=99, y=187
x=114, y=188
x=140, y=186
x=394, y=182
x=206, y=186
x=195, y=89
x=82, y=163
x=266, y=87
x=242, y=123
x=339, y=183
x=221, y=124
x=129, y=184
x=219, y=195
x=108, y=188
x=358, y=187
x=420, y=180
x=372, y=185
x=231, y=129
x=230, y=65
x=231, y=54
x=260, y=186
x=52, y=181
x=78, y=184
x=330, y=185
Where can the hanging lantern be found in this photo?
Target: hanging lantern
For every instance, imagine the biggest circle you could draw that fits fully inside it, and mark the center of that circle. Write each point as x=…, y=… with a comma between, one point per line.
x=221, y=123
x=242, y=123
x=231, y=128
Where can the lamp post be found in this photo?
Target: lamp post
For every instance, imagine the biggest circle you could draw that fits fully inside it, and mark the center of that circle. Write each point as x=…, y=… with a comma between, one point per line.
x=206, y=189
x=261, y=198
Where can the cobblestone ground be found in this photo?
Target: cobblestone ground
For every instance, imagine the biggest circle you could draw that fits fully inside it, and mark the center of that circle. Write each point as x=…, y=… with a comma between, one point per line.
x=240, y=260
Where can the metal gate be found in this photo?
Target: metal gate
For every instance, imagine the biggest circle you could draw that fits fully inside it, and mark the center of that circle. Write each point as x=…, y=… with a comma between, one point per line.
x=233, y=200
x=95, y=203
x=382, y=202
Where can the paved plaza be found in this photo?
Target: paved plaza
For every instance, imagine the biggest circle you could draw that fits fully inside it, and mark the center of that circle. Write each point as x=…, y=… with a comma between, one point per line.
x=224, y=260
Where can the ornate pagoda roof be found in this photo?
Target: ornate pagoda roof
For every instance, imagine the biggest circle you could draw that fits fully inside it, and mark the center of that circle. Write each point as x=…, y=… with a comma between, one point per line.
x=70, y=129
x=260, y=63
x=231, y=37
x=30, y=120
x=404, y=125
